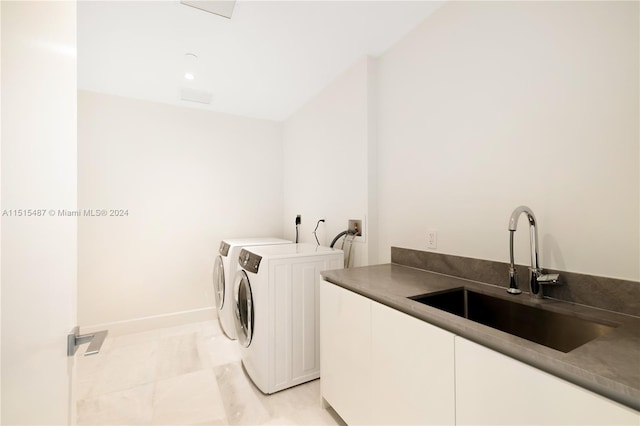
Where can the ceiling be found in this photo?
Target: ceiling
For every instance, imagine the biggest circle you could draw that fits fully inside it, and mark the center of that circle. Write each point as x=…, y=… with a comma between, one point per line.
x=265, y=62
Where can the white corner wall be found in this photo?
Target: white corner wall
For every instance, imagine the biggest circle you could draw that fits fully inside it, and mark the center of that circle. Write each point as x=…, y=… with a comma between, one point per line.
x=327, y=147
x=490, y=105
x=188, y=179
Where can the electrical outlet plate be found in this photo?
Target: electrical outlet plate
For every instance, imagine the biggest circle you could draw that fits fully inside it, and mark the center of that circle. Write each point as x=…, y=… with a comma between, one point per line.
x=432, y=239
x=360, y=226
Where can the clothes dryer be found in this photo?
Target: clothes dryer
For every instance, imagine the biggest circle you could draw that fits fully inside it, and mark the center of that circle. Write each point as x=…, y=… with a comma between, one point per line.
x=224, y=271
x=276, y=294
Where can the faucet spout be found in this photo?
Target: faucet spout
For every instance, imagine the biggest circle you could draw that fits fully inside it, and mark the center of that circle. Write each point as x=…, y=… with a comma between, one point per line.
x=513, y=272
x=534, y=285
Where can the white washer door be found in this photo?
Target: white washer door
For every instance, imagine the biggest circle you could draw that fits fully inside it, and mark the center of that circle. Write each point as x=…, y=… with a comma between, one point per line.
x=218, y=282
x=244, y=314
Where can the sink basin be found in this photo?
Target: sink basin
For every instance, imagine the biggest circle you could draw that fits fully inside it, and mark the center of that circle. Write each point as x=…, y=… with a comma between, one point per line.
x=552, y=329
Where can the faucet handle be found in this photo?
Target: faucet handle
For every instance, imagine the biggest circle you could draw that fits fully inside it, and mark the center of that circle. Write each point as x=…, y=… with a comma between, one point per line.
x=549, y=279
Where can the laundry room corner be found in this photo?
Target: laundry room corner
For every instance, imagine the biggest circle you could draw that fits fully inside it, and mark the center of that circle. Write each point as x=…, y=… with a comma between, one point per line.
x=330, y=160
x=171, y=175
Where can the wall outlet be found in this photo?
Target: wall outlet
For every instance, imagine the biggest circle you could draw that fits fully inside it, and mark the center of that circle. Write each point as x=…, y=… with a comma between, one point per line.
x=432, y=239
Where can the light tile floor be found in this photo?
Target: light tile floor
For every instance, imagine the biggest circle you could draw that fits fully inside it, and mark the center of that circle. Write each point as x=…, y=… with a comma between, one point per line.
x=186, y=375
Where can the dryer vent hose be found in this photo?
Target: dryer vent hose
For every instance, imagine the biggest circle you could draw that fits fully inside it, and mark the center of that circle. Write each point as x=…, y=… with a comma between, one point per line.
x=337, y=237
x=349, y=236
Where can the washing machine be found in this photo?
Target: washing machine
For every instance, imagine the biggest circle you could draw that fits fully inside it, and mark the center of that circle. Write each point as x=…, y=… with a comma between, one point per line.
x=277, y=312
x=224, y=271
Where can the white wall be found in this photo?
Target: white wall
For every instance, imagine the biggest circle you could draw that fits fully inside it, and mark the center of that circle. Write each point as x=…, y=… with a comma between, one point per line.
x=326, y=155
x=188, y=178
x=487, y=106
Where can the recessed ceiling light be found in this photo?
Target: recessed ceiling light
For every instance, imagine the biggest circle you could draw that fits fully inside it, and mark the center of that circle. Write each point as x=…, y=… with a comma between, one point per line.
x=189, y=76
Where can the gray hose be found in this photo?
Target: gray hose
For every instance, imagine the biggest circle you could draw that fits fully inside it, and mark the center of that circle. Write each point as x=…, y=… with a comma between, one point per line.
x=340, y=235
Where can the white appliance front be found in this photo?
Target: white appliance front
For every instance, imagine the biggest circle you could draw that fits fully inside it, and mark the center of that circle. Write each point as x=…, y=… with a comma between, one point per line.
x=277, y=312
x=224, y=272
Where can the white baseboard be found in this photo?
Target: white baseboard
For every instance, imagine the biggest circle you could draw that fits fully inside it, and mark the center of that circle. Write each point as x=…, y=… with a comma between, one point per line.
x=138, y=325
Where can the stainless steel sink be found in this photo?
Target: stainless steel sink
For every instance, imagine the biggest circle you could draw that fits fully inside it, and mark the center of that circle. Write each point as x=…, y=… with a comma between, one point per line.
x=552, y=329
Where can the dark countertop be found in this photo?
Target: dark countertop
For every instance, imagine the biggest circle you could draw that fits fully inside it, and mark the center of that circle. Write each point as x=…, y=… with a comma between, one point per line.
x=608, y=365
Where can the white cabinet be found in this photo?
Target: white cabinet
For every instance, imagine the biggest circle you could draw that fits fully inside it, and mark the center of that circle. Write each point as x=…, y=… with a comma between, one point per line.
x=345, y=352
x=494, y=389
x=381, y=366
x=413, y=370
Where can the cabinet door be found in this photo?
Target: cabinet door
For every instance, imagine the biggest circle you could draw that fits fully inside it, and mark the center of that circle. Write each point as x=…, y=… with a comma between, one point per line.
x=345, y=352
x=413, y=370
x=492, y=388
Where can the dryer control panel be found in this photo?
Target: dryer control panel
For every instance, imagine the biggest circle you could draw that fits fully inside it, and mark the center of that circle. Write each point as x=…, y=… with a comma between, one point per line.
x=224, y=248
x=249, y=261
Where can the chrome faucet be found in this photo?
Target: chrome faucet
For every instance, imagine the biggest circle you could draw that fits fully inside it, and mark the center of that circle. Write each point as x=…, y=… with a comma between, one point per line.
x=537, y=277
